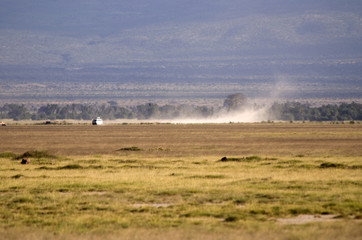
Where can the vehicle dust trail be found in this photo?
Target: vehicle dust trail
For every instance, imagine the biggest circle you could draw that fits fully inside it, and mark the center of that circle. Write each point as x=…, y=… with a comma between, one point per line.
x=247, y=115
x=242, y=116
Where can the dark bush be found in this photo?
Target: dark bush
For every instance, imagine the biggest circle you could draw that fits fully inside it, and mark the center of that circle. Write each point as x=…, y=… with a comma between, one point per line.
x=71, y=166
x=332, y=165
x=253, y=158
x=17, y=176
x=231, y=219
x=130, y=149
x=242, y=159
x=35, y=154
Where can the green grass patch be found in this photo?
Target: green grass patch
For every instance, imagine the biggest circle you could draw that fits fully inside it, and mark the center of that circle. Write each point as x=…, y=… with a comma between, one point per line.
x=108, y=193
x=208, y=176
x=121, y=161
x=8, y=155
x=292, y=162
x=184, y=193
x=339, y=165
x=22, y=200
x=35, y=154
x=253, y=158
x=70, y=166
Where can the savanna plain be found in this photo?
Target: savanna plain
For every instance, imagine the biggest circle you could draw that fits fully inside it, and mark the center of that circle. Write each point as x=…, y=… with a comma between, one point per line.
x=177, y=181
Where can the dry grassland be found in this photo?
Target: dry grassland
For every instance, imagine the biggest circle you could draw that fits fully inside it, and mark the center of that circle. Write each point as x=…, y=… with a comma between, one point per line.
x=188, y=140
x=161, y=181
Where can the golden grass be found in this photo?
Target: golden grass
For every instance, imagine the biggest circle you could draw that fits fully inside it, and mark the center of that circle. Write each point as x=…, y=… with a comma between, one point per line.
x=176, y=187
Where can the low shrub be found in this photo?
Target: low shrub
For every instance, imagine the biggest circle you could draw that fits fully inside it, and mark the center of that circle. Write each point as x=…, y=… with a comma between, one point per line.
x=208, y=176
x=22, y=200
x=71, y=166
x=253, y=158
x=232, y=159
x=231, y=219
x=331, y=165
x=8, y=155
x=240, y=201
x=300, y=210
x=17, y=176
x=242, y=159
x=35, y=154
x=130, y=149
x=356, y=167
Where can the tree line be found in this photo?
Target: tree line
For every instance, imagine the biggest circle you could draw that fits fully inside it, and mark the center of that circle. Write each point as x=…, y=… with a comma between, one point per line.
x=289, y=111
x=88, y=112
x=294, y=111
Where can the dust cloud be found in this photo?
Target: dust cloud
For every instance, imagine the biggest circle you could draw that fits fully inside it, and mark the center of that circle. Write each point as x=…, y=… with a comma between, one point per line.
x=242, y=116
x=248, y=112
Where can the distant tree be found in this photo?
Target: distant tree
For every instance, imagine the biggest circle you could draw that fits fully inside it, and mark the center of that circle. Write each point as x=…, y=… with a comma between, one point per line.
x=169, y=111
x=274, y=112
x=121, y=112
x=50, y=111
x=299, y=111
x=203, y=111
x=66, y=112
x=235, y=102
x=3, y=112
x=88, y=112
x=147, y=111
x=347, y=112
x=112, y=103
x=329, y=113
x=185, y=110
x=358, y=109
x=315, y=114
x=16, y=111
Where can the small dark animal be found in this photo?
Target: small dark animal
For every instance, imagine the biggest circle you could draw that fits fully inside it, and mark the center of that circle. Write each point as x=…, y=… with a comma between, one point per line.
x=224, y=159
x=25, y=161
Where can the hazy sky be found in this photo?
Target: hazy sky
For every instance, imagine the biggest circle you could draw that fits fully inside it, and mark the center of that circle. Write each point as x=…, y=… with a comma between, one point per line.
x=76, y=32
x=111, y=16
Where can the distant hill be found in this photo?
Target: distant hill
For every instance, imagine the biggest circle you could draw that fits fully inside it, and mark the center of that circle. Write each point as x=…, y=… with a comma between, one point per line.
x=81, y=50
x=73, y=33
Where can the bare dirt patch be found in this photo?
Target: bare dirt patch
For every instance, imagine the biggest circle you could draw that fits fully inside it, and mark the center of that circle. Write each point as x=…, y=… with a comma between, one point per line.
x=306, y=218
x=94, y=193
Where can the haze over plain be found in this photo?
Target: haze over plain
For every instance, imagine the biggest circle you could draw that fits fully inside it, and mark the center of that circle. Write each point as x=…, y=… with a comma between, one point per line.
x=180, y=50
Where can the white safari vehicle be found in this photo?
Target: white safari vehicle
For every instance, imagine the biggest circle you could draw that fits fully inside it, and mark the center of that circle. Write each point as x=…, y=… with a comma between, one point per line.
x=97, y=121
